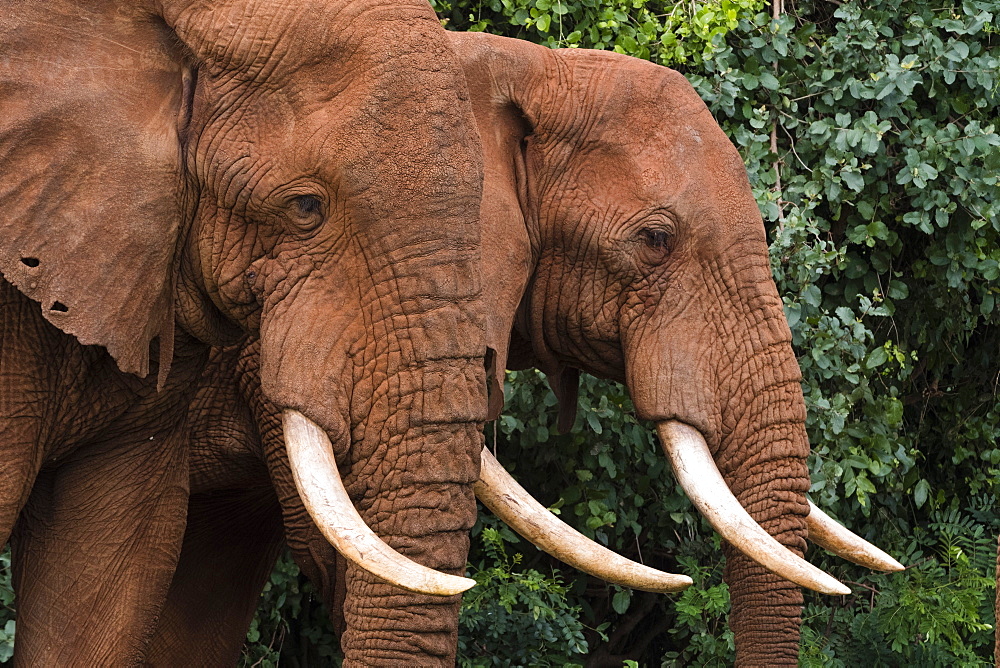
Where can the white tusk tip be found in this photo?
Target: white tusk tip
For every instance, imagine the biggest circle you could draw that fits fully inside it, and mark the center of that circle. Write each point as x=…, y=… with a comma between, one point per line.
x=514, y=505
x=463, y=584
x=676, y=583
x=836, y=538
x=837, y=589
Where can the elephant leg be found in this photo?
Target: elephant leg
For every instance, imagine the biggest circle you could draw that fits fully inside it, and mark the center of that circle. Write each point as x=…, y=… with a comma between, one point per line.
x=94, y=551
x=232, y=540
x=22, y=457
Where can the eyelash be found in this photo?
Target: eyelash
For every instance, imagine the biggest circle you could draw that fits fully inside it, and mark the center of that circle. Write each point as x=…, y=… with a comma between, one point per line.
x=657, y=243
x=307, y=212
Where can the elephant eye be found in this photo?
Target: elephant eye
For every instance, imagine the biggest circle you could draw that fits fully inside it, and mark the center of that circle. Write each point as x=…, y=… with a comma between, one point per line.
x=657, y=244
x=307, y=212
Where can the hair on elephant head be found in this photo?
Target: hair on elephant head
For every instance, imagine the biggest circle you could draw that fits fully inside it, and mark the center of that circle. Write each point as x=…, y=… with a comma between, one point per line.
x=306, y=171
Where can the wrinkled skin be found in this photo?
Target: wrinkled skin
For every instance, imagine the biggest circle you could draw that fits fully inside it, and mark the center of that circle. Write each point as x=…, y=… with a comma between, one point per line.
x=622, y=239
x=185, y=174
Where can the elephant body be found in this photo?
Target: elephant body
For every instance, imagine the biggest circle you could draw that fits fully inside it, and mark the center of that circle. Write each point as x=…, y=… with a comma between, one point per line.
x=620, y=238
x=179, y=175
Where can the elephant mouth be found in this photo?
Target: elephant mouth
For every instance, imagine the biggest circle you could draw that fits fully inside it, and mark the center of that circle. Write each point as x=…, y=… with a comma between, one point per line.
x=314, y=468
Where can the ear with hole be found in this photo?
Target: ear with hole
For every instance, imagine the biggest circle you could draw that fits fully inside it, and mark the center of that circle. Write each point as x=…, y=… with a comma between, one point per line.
x=90, y=169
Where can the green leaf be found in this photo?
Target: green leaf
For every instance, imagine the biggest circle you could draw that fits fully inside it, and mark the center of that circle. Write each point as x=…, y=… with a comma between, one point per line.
x=876, y=358
x=621, y=600
x=854, y=180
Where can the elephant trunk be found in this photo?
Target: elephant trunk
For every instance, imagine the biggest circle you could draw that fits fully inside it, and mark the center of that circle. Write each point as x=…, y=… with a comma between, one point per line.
x=770, y=482
x=724, y=366
x=762, y=455
x=415, y=461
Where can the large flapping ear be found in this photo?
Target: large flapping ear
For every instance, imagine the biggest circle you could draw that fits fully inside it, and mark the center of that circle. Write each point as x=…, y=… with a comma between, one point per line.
x=90, y=169
x=493, y=66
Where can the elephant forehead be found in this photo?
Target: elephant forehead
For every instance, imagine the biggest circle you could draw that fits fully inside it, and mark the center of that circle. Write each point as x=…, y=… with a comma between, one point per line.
x=270, y=40
x=365, y=140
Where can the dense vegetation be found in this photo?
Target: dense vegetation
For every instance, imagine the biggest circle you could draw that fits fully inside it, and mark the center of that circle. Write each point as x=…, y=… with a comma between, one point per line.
x=869, y=130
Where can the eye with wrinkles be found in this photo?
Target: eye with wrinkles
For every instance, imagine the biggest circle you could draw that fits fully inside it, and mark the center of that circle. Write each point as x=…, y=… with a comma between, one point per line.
x=657, y=243
x=306, y=212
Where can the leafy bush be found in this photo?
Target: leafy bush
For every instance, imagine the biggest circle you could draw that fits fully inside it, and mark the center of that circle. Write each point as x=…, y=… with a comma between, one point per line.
x=664, y=32
x=6, y=608
x=516, y=617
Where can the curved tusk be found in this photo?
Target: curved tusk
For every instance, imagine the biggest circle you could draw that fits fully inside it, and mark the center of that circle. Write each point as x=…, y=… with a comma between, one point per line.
x=699, y=476
x=834, y=537
x=515, y=506
x=318, y=481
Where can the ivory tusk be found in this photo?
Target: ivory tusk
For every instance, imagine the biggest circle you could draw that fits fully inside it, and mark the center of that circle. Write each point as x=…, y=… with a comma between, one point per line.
x=515, y=506
x=699, y=476
x=836, y=538
x=318, y=481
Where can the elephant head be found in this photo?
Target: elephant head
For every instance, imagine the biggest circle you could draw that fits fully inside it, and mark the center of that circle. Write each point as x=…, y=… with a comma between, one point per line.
x=243, y=167
x=621, y=238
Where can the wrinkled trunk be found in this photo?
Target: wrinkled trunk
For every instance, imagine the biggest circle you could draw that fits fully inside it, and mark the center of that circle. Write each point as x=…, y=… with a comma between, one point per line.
x=770, y=484
x=763, y=459
x=404, y=410
x=724, y=365
x=414, y=463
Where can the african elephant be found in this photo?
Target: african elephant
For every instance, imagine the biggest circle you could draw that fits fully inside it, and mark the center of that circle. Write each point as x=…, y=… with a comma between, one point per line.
x=178, y=174
x=620, y=238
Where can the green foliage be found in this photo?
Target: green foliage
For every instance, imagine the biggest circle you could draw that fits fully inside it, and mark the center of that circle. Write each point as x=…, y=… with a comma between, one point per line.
x=516, y=617
x=6, y=608
x=664, y=32
x=699, y=631
x=292, y=628
x=938, y=612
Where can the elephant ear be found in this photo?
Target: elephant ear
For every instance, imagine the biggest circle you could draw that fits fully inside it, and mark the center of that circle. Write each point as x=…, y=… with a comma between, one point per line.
x=490, y=68
x=90, y=170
